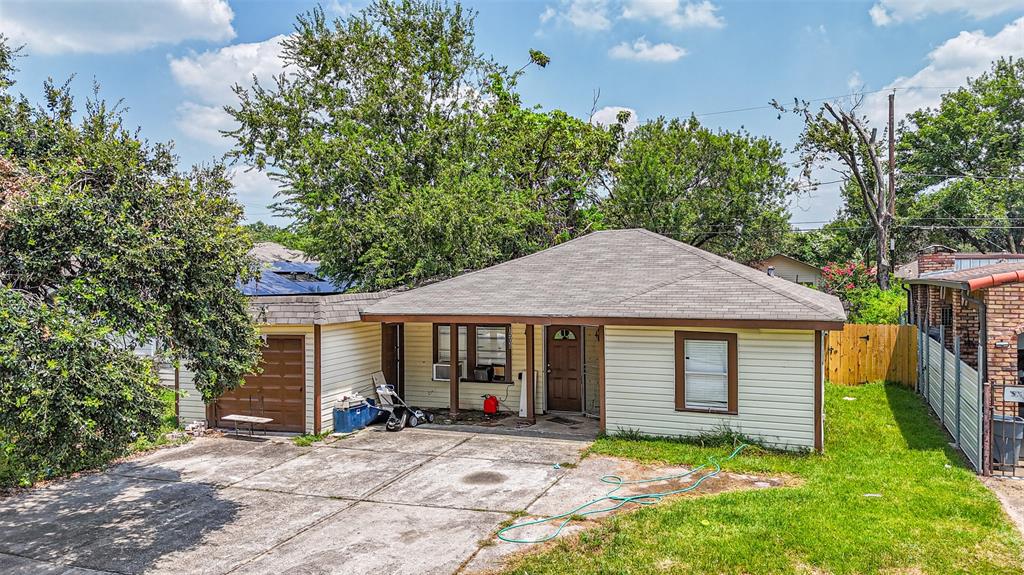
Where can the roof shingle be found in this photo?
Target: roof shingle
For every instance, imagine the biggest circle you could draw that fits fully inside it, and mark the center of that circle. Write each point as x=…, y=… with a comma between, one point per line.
x=618, y=274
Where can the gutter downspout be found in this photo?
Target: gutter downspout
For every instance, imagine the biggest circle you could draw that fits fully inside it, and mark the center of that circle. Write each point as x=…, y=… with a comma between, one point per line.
x=910, y=303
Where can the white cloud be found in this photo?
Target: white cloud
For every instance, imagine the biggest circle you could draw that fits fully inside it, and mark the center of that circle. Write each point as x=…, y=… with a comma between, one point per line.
x=887, y=12
x=108, y=26
x=854, y=82
x=642, y=50
x=588, y=14
x=966, y=55
x=583, y=14
x=339, y=9
x=208, y=78
x=255, y=190
x=674, y=13
x=608, y=116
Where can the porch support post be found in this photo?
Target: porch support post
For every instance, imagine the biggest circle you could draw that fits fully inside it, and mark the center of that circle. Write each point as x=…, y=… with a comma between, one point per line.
x=531, y=413
x=453, y=370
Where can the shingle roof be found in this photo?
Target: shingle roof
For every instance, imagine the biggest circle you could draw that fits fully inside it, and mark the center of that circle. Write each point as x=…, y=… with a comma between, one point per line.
x=618, y=274
x=312, y=309
x=976, y=278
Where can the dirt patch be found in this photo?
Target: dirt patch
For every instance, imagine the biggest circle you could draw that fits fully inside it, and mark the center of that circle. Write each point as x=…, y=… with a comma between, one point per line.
x=1011, y=494
x=584, y=483
x=442, y=417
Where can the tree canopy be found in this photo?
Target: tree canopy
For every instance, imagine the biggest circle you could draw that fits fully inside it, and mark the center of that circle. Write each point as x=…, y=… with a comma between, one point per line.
x=104, y=245
x=406, y=156
x=727, y=192
x=964, y=160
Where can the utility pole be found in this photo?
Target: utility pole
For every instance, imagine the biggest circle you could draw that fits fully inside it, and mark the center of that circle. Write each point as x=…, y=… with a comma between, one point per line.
x=892, y=182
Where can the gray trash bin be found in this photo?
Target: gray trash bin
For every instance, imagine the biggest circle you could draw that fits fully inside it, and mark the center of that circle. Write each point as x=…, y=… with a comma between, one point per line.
x=1007, y=433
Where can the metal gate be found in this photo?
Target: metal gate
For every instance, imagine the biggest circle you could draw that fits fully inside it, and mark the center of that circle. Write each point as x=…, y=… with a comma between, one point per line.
x=1005, y=427
x=955, y=392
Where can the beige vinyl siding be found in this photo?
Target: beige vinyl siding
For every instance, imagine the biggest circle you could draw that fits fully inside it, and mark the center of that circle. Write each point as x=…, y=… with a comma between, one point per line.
x=422, y=391
x=794, y=271
x=165, y=371
x=190, y=401
x=349, y=355
x=775, y=378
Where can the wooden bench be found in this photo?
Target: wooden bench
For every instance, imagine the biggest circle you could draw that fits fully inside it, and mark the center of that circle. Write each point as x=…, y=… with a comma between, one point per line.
x=250, y=419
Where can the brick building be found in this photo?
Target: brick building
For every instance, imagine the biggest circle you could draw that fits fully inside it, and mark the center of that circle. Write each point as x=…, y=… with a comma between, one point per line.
x=978, y=297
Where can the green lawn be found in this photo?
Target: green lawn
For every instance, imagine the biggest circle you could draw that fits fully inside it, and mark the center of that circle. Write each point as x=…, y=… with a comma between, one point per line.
x=933, y=515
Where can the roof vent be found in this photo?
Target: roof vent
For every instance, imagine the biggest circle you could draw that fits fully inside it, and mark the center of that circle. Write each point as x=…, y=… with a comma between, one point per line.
x=771, y=271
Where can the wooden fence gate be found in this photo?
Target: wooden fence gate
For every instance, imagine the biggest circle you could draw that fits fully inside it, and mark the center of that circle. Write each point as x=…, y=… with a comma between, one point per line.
x=863, y=353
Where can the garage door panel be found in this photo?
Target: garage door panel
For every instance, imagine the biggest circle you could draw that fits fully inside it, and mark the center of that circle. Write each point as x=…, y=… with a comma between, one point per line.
x=277, y=392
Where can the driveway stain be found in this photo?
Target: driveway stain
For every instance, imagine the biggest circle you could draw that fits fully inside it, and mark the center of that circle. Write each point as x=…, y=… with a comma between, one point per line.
x=484, y=478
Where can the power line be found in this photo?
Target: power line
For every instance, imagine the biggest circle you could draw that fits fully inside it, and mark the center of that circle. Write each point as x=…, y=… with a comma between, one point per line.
x=829, y=98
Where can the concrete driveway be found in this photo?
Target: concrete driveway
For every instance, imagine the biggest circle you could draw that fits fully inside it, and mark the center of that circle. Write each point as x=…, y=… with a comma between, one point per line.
x=418, y=501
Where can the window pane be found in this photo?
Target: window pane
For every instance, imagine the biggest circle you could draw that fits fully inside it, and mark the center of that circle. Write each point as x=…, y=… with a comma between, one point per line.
x=444, y=341
x=490, y=346
x=707, y=374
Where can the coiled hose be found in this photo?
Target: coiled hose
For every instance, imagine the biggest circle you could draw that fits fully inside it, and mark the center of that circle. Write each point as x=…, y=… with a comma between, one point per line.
x=619, y=500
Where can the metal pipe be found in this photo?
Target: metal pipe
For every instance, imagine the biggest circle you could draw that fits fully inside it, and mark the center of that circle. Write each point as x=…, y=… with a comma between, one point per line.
x=910, y=303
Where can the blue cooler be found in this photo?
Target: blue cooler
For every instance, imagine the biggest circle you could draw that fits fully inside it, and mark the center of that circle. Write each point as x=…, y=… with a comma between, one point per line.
x=349, y=419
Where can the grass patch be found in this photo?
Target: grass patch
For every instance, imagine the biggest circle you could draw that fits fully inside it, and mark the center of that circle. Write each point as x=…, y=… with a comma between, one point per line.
x=307, y=439
x=168, y=423
x=933, y=516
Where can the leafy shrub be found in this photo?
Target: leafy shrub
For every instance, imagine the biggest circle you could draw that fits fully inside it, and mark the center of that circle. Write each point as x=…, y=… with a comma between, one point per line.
x=68, y=399
x=854, y=283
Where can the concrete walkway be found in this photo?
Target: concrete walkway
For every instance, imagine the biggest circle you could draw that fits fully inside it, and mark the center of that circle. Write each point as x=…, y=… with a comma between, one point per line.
x=417, y=501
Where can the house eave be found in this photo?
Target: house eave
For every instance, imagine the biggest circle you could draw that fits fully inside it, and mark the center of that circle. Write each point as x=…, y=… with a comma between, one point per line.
x=598, y=321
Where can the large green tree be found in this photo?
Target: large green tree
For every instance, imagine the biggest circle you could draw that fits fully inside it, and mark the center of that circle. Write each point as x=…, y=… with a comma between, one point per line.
x=405, y=155
x=965, y=161
x=105, y=244
x=726, y=192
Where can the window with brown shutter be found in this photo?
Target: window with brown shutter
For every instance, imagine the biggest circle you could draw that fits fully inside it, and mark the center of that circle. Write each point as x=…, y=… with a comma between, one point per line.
x=706, y=377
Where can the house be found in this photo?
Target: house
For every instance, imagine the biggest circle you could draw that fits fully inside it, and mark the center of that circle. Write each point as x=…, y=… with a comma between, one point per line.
x=640, y=331
x=791, y=269
x=951, y=288
x=300, y=316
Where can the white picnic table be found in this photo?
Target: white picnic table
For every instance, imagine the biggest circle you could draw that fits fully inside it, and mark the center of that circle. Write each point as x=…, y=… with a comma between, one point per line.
x=250, y=419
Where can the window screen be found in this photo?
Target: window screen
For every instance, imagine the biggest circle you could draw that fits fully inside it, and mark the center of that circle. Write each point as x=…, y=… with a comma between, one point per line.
x=707, y=374
x=444, y=342
x=490, y=345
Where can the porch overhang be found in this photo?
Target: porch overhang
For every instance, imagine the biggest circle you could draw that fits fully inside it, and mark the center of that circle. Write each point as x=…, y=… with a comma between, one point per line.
x=810, y=325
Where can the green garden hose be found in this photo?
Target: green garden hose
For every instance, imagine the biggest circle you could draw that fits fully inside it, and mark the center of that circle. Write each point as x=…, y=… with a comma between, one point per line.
x=618, y=500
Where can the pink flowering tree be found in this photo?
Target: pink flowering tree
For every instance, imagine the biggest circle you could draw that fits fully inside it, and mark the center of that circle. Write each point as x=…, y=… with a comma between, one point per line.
x=840, y=279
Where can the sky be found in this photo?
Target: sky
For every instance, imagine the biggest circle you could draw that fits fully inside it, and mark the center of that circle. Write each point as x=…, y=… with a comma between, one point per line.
x=173, y=62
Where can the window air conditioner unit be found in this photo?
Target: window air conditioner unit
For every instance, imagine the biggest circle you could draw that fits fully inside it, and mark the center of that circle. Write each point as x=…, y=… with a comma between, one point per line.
x=442, y=371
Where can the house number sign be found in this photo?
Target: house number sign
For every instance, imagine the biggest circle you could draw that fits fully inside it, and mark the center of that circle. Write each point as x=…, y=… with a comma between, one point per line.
x=1014, y=394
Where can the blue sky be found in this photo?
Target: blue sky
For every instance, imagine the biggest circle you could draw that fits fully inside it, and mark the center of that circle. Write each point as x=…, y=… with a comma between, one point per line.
x=173, y=61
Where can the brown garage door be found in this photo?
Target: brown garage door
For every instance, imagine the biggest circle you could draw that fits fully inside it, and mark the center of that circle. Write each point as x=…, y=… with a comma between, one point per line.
x=279, y=392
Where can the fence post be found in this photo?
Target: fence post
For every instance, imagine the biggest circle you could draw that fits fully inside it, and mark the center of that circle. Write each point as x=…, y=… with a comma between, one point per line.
x=942, y=375
x=956, y=371
x=920, y=357
x=986, y=427
x=927, y=361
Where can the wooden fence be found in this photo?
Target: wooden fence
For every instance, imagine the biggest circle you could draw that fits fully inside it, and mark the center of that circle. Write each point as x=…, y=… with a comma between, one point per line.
x=864, y=353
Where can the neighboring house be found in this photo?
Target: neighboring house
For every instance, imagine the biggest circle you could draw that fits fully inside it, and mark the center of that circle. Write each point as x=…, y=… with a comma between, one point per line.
x=642, y=331
x=638, y=330
x=971, y=306
x=948, y=291
x=791, y=269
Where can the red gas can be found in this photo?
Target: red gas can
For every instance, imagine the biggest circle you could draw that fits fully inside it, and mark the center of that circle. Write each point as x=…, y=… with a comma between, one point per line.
x=490, y=404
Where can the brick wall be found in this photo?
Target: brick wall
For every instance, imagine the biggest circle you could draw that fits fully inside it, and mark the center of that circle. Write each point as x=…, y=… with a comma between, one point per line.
x=940, y=261
x=966, y=325
x=1005, y=321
